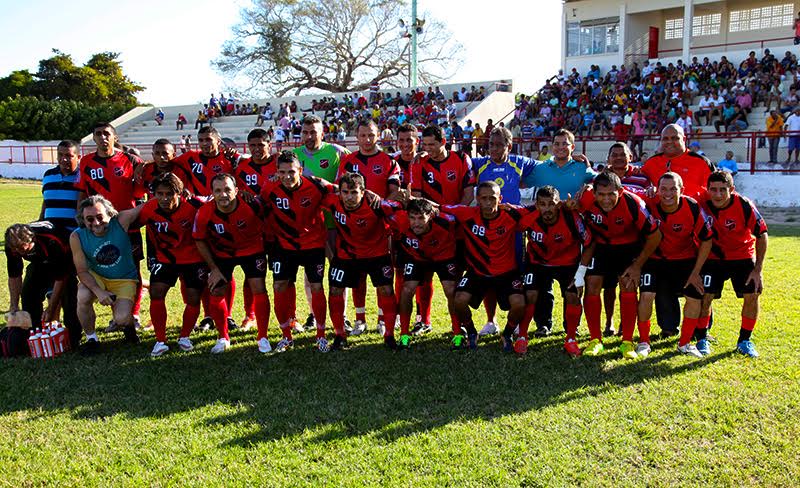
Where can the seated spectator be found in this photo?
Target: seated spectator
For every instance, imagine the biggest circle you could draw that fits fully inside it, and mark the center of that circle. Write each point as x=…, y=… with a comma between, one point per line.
x=180, y=122
x=159, y=118
x=728, y=163
x=694, y=146
x=201, y=120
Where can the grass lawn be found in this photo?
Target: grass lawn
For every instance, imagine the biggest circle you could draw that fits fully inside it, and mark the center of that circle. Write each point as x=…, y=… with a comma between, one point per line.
x=428, y=417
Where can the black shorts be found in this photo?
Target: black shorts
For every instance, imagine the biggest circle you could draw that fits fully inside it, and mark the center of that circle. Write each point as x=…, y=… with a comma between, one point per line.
x=504, y=286
x=254, y=266
x=612, y=261
x=136, y=245
x=347, y=273
x=423, y=271
x=662, y=275
x=716, y=272
x=285, y=264
x=538, y=277
x=193, y=275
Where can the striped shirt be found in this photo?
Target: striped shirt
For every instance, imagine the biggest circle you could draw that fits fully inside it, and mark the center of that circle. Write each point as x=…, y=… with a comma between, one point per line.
x=60, y=195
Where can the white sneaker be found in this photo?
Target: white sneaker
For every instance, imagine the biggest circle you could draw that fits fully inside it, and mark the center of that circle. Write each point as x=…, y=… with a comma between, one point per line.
x=159, y=349
x=489, y=329
x=690, y=350
x=322, y=345
x=185, y=344
x=264, y=346
x=220, y=346
x=359, y=326
x=642, y=349
x=381, y=328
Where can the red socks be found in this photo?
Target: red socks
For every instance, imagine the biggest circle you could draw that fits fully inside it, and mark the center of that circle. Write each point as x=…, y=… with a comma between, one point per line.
x=158, y=315
x=627, y=311
x=455, y=324
x=687, y=331
x=644, y=331
x=282, y=307
x=748, y=323
x=389, y=308
x=336, y=307
x=249, y=304
x=424, y=299
x=526, y=319
x=360, y=300
x=261, y=309
x=591, y=305
x=319, y=307
x=219, y=312
x=573, y=317
x=230, y=295
x=190, y=314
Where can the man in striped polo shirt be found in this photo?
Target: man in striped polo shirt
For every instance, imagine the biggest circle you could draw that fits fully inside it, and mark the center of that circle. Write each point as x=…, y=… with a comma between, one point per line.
x=59, y=191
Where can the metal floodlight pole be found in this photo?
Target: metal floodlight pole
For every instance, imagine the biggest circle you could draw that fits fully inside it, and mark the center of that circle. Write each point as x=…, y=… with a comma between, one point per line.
x=414, y=28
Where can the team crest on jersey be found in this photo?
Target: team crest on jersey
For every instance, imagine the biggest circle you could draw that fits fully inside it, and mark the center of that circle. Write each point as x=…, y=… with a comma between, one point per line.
x=434, y=243
x=619, y=221
x=558, y=237
x=516, y=284
x=305, y=202
x=677, y=227
x=261, y=264
x=320, y=269
x=387, y=271
x=500, y=230
x=240, y=223
x=216, y=168
x=451, y=175
x=377, y=169
x=730, y=224
x=118, y=171
x=451, y=268
x=361, y=222
x=324, y=163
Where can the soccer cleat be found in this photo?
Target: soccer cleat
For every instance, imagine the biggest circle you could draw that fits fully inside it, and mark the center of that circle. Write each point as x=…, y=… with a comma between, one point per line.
x=264, y=346
x=489, y=329
x=322, y=345
x=507, y=343
x=158, y=349
x=421, y=328
x=380, y=328
x=690, y=350
x=248, y=323
x=206, y=324
x=628, y=350
x=594, y=348
x=232, y=324
x=747, y=348
x=184, y=344
x=571, y=347
x=112, y=327
x=310, y=323
x=473, y=341
x=339, y=343
x=348, y=326
x=609, y=331
x=405, y=342
x=458, y=343
x=359, y=327
x=284, y=345
x=136, y=324
x=90, y=347
x=521, y=346
x=390, y=343
x=297, y=327
x=220, y=346
x=704, y=347
x=131, y=336
x=541, y=331
x=643, y=349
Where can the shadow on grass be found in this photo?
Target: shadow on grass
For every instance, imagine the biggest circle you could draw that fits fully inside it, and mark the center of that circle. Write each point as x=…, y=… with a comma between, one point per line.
x=364, y=390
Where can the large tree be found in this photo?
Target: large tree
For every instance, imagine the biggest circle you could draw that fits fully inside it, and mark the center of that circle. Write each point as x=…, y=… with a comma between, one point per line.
x=283, y=46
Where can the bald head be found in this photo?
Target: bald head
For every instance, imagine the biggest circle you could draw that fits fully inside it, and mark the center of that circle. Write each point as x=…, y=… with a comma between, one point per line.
x=673, y=140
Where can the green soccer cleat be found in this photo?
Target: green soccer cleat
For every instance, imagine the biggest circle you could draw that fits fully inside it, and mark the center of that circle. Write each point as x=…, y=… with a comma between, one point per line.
x=459, y=343
x=405, y=341
x=628, y=350
x=594, y=348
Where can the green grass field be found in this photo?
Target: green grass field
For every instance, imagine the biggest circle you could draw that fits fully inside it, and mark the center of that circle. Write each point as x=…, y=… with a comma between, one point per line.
x=428, y=417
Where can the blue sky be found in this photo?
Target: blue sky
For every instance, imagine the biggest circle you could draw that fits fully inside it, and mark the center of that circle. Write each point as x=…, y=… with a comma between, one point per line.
x=168, y=45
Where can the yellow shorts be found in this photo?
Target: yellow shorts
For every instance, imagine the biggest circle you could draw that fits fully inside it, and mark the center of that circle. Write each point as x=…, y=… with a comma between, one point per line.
x=123, y=289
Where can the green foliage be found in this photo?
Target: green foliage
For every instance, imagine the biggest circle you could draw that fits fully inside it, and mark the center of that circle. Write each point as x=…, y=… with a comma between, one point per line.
x=31, y=118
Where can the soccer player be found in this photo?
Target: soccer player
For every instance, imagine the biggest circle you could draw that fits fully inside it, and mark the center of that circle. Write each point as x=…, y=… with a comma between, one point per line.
x=362, y=248
x=382, y=177
x=677, y=262
x=320, y=159
x=491, y=263
x=229, y=232
x=109, y=172
x=163, y=153
x=105, y=265
x=620, y=222
x=169, y=218
x=428, y=242
x=559, y=248
x=294, y=201
x=738, y=252
x=694, y=170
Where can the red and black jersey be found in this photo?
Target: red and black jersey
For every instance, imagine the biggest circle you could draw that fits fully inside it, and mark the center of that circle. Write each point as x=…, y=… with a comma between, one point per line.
x=560, y=244
x=202, y=169
x=682, y=230
x=50, y=248
x=170, y=233
x=363, y=232
x=443, y=181
x=234, y=234
x=297, y=213
x=251, y=176
x=405, y=170
x=490, y=243
x=628, y=222
x=111, y=178
x=736, y=228
x=436, y=245
x=379, y=170
x=693, y=168
x=151, y=172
